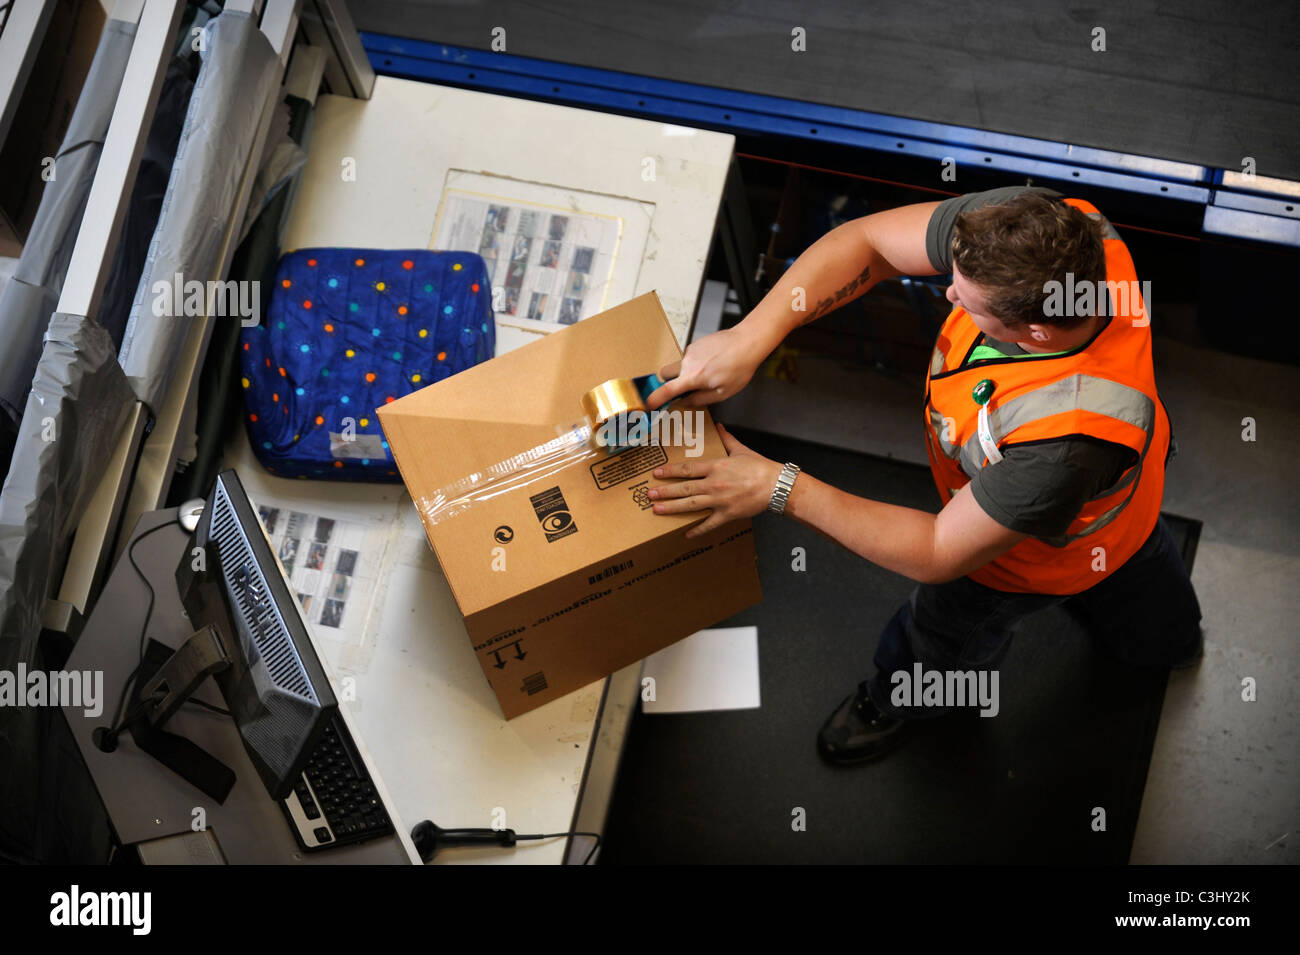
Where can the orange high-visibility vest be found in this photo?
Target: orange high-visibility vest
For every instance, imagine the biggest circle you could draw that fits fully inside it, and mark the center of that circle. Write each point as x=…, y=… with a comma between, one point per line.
x=1104, y=389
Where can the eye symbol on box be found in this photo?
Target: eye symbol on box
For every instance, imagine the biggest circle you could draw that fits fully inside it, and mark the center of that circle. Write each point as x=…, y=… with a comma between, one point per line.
x=504, y=534
x=557, y=521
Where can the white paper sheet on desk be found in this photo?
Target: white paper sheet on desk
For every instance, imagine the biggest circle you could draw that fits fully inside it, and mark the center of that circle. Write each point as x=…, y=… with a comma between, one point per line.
x=710, y=670
x=554, y=254
x=333, y=566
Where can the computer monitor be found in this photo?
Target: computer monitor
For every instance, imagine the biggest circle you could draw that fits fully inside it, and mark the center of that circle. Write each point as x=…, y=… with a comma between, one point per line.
x=251, y=638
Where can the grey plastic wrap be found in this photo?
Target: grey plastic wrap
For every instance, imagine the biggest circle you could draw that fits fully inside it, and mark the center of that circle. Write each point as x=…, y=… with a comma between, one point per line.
x=151, y=180
x=51, y=366
x=78, y=403
x=281, y=160
x=33, y=292
x=240, y=71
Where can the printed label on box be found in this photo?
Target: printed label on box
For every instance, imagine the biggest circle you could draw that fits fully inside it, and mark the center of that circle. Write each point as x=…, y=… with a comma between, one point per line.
x=534, y=683
x=617, y=468
x=553, y=514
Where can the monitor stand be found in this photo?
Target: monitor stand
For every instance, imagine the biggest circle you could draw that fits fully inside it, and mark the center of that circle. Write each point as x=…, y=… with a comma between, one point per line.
x=175, y=681
x=169, y=679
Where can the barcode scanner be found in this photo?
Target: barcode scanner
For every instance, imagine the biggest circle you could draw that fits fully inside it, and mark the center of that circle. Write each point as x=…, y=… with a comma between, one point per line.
x=429, y=839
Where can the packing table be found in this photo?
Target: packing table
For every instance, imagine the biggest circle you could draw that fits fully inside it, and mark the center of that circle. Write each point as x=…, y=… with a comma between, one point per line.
x=424, y=710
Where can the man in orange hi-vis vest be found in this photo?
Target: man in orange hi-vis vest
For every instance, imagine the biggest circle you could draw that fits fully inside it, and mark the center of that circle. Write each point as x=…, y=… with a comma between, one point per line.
x=1047, y=443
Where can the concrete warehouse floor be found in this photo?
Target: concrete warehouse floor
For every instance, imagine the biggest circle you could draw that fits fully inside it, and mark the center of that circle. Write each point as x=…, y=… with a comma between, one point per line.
x=1224, y=781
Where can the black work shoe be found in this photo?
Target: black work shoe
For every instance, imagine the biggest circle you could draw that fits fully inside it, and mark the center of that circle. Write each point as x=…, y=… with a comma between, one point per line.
x=857, y=732
x=1196, y=656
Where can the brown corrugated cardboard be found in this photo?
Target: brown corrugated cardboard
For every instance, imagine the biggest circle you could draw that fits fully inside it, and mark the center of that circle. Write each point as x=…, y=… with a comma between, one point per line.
x=570, y=576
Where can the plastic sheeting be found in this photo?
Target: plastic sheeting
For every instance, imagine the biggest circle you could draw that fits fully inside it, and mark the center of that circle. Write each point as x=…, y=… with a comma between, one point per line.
x=281, y=160
x=81, y=393
x=147, y=196
x=78, y=403
x=280, y=163
x=240, y=72
x=32, y=293
x=220, y=406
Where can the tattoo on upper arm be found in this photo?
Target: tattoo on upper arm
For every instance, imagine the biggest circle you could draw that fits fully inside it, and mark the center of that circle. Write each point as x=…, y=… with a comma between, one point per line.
x=841, y=295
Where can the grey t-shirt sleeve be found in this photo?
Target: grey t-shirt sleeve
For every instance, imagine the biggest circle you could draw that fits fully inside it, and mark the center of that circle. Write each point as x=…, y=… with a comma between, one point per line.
x=1039, y=489
x=938, y=233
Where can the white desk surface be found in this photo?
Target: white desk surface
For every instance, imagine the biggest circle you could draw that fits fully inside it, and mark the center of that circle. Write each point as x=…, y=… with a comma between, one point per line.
x=425, y=710
x=407, y=136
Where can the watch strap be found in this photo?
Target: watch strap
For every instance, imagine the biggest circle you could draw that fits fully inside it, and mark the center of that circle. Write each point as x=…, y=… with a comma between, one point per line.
x=784, y=484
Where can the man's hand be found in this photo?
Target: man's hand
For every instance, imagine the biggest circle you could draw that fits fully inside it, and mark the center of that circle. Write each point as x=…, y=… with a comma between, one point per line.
x=926, y=547
x=713, y=368
x=733, y=487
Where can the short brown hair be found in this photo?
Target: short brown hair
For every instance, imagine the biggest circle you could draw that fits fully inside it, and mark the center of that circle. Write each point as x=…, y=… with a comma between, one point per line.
x=1014, y=248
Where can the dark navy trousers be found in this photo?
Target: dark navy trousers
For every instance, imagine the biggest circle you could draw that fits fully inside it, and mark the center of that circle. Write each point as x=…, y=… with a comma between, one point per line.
x=1145, y=613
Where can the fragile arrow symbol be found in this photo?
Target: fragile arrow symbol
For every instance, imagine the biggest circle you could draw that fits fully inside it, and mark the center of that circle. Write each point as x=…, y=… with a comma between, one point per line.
x=519, y=651
x=500, y=664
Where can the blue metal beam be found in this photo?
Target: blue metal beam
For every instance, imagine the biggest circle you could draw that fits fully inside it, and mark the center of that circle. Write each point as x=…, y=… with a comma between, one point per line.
x=1252, y=213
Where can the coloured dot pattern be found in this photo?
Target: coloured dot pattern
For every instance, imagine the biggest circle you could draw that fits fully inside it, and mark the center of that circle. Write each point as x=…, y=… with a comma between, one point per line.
x=348, y=332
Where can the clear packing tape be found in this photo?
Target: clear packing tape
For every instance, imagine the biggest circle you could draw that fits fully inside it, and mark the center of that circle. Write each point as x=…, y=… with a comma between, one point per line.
x=607, y=408
x=564, y=451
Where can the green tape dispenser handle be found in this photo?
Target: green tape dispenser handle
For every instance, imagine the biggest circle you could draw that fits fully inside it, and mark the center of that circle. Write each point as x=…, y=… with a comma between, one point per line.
x=647, y=385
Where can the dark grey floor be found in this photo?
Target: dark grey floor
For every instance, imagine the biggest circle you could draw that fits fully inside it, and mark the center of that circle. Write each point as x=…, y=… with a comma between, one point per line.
x=1193, y=81
x=1074, y=731
x=1224, y=779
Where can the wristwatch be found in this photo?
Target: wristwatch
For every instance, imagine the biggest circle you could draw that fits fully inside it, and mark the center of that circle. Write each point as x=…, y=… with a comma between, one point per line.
x=781, y=493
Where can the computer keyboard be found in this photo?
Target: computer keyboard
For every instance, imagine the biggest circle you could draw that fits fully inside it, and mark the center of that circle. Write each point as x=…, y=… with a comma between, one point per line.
x=335, y=803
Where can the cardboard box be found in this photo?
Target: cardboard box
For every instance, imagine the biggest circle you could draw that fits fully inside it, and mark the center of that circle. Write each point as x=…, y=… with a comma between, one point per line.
x=568, y=575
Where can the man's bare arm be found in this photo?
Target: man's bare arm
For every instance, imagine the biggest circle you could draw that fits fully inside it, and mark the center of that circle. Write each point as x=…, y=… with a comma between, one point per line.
x=928, y=548
x=842, y=265
x=836, y=269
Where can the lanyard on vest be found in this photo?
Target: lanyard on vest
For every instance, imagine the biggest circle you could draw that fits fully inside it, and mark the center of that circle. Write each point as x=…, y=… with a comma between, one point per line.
x=982, y=392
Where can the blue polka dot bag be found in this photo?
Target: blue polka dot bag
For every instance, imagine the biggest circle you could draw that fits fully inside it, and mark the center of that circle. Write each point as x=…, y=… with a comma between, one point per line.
x=346, y=331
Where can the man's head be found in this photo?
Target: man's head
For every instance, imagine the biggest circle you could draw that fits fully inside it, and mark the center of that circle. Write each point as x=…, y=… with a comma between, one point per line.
x=1004, y=255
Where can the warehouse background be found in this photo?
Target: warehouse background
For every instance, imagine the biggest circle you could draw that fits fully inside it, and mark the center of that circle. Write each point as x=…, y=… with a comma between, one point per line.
x=1192, y=83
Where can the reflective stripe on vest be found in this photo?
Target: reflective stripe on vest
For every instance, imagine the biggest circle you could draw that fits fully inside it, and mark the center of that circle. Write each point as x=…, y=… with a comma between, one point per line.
x=1074, y=393
x=1083, y=393
x=937, y=360
x=940, y=428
